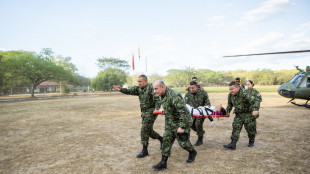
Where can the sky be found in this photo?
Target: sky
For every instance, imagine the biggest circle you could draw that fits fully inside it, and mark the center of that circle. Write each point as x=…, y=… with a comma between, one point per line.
x=171, y=34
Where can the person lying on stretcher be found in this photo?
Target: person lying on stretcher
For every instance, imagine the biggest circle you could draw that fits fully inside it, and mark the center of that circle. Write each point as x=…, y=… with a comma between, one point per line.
x=207, y=110
x=203, y=111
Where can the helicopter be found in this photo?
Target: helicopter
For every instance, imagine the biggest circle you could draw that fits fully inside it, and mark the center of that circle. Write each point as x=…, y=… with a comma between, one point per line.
x=298, y=87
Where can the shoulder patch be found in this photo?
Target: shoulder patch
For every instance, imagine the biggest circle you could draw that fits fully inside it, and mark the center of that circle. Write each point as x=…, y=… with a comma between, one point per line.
x=258, y=94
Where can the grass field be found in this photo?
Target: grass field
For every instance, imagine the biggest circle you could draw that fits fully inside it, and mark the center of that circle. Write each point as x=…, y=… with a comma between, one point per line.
x=100, y=134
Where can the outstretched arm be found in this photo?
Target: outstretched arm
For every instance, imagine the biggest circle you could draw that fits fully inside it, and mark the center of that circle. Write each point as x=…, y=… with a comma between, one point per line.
x=132, y=91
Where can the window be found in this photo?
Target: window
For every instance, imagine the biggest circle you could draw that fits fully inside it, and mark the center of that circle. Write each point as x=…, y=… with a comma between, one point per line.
x=296, y=80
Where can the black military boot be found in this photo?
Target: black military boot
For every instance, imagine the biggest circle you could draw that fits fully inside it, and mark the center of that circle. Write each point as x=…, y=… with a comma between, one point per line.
x=161, y=142
x=251, y=143
x=143, y=153
x=162, y=164
x=191, y=156
x=231, y=145
x=199, y=141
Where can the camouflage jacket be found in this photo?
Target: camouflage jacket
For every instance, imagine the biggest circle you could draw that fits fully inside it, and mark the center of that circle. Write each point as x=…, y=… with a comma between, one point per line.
x=255, y=94
x=201, y=98
x=176, y=112
x=146, y=95
x=243, y=102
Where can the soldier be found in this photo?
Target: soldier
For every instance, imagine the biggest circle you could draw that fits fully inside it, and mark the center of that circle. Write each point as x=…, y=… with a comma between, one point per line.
x=246, y=112
x=147, y=106
x=238, y=80
x=198, y=85
x=195, y=98
x=255, y=94
x=177, y=123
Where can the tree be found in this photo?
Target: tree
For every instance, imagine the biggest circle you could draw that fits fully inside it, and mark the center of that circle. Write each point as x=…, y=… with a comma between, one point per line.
x=36, y=68
x=83, y=81
x=189, y=73
x=267, y=77
x=1, y=72
x=104, y=63
x=110, y=76
x=64, y=62
x=176, y=77
x=7, y=77
x=153, y=77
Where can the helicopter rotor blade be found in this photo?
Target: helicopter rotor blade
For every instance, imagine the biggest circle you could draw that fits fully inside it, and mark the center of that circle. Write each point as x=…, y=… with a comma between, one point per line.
x=285, y=52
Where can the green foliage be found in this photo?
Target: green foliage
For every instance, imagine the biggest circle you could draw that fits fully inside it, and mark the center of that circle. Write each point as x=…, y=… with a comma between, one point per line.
x=189, y=73
x=64, y=62
x=7, y=77
x=176, y=78
x=35, y=68
x=153, y=77
x=66, y=89
x=105, y=63
x=180, y=78
x=83, y=81
x=111, y=76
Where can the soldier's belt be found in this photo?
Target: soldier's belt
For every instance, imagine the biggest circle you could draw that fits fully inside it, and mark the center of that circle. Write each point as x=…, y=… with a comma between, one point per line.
x=239, y=113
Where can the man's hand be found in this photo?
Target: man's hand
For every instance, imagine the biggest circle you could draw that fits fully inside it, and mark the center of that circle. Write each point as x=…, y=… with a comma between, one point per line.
x=180, y=130
x=255, y=113
x=117, y=88
x=187, y=88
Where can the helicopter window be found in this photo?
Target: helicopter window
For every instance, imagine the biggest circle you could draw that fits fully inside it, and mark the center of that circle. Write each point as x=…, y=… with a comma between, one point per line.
x=296, y=80
x=308, y=81
x=303, y=83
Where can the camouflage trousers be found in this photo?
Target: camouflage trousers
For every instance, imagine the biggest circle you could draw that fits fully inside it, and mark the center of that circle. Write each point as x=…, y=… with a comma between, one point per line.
x=183, y=139
x=148, y=119
x=249, y=122
x=197, y=126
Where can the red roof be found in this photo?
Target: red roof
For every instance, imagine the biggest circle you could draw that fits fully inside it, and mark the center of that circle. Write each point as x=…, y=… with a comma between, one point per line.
x=48, y=84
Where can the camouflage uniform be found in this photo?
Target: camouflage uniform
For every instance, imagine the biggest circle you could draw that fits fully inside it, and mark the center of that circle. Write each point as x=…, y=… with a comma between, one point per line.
x=176, y=115
x=147, y=104
x=255, y=94
x=245, y=103
x=199, y=99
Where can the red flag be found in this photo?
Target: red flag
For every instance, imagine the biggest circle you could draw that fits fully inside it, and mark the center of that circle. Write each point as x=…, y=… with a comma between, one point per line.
x=133, y=62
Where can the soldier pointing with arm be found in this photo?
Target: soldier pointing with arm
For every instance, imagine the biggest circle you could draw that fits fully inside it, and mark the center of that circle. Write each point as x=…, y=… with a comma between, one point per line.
x=147, y=104
x=177, y=123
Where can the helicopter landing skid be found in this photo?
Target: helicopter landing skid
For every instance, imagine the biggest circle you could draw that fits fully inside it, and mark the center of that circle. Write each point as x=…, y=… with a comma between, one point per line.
x=304, y=105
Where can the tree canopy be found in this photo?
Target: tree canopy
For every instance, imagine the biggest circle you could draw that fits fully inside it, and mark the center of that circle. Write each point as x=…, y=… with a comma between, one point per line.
x=110, y=76
x=36, y=68
x=180, y=77
x=104, y=63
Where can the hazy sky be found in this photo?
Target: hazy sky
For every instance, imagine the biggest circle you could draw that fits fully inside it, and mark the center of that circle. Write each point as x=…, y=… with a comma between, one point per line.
x=170, y=33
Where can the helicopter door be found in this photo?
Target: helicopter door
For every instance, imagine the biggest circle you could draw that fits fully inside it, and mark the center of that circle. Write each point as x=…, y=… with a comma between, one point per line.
x=303, y=88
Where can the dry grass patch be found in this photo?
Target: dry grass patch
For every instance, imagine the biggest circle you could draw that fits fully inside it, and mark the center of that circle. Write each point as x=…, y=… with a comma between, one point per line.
x=101, y=134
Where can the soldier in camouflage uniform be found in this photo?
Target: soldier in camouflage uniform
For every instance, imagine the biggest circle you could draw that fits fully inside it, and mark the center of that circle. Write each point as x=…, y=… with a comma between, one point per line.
x=196, y=97
x=147, y=104
x=177, y=123
x=246, y=111
x=254, y=94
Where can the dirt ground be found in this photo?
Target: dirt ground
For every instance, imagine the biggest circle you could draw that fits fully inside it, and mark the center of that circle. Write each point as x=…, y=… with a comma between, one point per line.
x=101, y=134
